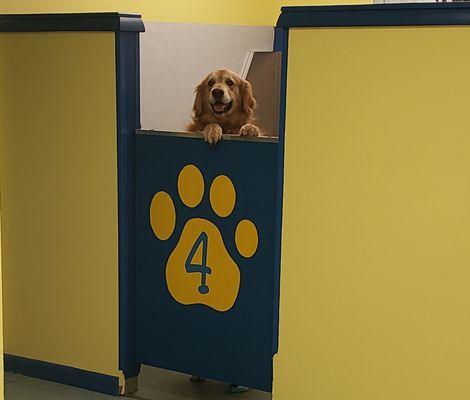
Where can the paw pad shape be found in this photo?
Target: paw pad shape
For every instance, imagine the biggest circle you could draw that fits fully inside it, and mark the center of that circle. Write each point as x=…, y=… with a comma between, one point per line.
x=200, y=269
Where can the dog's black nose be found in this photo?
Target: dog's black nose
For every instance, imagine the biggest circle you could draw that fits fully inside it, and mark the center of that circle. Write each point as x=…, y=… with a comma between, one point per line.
x=217, y=93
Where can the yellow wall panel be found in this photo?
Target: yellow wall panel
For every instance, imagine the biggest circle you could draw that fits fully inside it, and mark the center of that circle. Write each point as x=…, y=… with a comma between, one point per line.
x=59, y=198
x=376, y=255
x=240, y=12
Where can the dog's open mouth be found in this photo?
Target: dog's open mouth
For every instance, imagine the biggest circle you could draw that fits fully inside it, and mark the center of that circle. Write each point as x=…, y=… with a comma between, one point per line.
x=221, y=108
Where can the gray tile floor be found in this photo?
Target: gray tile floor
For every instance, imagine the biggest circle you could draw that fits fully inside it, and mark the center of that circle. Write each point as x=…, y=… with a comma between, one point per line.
x=154, y=384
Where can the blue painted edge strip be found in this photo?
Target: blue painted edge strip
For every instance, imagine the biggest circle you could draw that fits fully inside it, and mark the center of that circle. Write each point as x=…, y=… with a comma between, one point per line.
x=281, y=40
x=128, y=121
x=415, y=14
x=110, y=21
x=59, y=373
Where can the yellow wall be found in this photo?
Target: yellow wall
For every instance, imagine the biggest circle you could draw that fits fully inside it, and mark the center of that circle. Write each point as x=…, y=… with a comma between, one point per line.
x=244, y=12
x=375, y=257
x=59, y=198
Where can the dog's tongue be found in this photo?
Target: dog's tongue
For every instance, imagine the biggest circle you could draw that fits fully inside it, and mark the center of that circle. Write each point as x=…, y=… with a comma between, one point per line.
x=219, y=107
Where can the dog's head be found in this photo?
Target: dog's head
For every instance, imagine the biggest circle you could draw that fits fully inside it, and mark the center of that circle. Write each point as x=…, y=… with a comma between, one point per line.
x=223, y=93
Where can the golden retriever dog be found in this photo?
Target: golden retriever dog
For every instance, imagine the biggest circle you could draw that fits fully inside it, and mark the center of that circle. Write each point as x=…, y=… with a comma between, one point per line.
x=224, y=104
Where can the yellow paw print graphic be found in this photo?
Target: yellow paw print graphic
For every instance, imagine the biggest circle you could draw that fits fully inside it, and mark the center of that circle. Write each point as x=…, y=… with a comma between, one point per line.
x=200, y=270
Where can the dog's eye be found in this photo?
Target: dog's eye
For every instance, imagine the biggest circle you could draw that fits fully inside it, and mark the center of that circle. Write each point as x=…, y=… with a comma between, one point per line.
x=211, y=82
x=229, y=82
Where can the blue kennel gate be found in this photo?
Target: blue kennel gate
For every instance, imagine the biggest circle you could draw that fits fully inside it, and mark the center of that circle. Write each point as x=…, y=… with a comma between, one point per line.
x=206, y=274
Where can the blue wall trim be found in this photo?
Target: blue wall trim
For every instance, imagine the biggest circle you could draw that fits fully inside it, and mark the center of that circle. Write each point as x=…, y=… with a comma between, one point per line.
x=281, y=41
x=62, y=374
x=376, y=15
x=128, y=120
x=111, y=21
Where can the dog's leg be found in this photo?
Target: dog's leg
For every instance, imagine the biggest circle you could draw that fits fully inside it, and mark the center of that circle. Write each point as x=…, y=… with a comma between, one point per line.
x=212, y=133
x=249, y=130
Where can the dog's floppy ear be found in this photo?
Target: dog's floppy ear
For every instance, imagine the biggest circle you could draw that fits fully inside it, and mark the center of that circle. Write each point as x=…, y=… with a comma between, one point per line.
x=248, y=101
x=198, y=106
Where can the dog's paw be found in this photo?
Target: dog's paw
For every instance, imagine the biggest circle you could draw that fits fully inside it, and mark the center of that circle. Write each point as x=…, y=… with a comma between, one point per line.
x=212, y=133
x=249, y=130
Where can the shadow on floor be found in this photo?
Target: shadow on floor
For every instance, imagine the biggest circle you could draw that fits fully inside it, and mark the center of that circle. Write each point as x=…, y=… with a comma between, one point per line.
x=154, y=384
x=19, y=387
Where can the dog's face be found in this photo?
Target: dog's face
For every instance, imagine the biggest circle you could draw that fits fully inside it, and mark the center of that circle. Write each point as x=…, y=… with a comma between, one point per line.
x=223, y=93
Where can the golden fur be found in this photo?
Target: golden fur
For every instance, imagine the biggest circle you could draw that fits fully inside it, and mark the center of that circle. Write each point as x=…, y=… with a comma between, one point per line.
x=230, y=113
